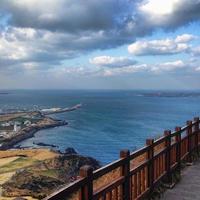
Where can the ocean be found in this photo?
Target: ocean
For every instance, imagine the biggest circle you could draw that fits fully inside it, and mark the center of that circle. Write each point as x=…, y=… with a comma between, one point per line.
x=108, y=121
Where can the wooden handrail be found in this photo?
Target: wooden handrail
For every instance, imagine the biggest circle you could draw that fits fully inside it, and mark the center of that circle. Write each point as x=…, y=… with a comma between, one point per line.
x=138, y=172
x=106, y=169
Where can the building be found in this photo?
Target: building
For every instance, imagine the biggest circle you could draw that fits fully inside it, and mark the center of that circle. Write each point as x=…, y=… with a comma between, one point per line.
x=17, y=123
x=16, y=128
x=6, y=124
x=3, y=134
x=27, y=123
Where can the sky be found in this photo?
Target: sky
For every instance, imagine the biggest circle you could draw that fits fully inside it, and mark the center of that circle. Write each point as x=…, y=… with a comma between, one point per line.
x=107, y=44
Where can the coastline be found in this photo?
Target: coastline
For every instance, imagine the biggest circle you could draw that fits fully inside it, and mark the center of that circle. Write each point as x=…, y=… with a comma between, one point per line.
x=18, y=126
x=29, y=132
x=44, y=168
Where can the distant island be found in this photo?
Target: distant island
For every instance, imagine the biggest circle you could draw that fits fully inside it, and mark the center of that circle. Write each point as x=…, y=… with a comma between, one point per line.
x=171, y=94
x=2, y=93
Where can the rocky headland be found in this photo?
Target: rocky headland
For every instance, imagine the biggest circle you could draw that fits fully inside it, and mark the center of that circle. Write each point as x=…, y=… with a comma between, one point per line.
x=42, y=171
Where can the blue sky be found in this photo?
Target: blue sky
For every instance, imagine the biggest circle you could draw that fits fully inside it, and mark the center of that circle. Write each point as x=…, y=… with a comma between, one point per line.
x=108, y=44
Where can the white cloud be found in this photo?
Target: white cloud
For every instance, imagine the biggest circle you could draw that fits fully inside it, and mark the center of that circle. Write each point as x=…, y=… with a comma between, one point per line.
x=176, y=66
x=151, y=7
x=161, y=47
x=160, y=67
x=96, y=71
x=169, y=66
x=74, y=71
x=104, y=63
x=125, y=70
x=169, y=14
x=185, y=38
x=150, y=68
x=115, y=62
x=46, y=48
x=103, y=24
x=41, y=34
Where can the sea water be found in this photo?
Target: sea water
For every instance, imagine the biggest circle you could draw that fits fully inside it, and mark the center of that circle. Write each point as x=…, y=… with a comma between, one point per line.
x=108, y=120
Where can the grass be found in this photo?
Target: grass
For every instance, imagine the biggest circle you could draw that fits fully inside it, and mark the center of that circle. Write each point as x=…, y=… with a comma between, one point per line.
x=37, y=154
x=11, y=198
x=8, y=117
x=19, y=163
x=6, y=177
x=50, y=173
x=13, y=160
x=4, y=161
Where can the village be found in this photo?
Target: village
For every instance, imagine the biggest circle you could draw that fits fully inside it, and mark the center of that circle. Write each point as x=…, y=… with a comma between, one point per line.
x=10, y=127
x=17, y=126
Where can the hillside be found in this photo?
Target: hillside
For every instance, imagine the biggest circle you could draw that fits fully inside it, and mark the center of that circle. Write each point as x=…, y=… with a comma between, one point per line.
x=35, y=173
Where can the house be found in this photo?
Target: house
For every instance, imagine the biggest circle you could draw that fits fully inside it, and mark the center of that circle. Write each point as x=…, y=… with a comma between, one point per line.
x=17, y=123
x=27, y=123
x=3, y=134
x=16, y=128
x=6, y=124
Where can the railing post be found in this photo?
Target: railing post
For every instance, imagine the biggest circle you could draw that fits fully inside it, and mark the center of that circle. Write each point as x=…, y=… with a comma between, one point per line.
x=125, y=171
x=150, y=157
x=178, y=148
x=189, y=134
x=167, y=134
x=87, y=190
x=196, y=129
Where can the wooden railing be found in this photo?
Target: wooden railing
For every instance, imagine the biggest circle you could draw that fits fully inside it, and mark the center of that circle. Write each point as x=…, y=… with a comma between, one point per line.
x=136, y=174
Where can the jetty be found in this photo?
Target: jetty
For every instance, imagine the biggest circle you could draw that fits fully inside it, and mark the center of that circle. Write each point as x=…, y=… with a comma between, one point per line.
x=143, y=174
x=51, y=111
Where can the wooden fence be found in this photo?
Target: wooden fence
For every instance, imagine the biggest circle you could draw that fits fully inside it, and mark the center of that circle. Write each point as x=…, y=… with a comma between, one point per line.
x=136, y=174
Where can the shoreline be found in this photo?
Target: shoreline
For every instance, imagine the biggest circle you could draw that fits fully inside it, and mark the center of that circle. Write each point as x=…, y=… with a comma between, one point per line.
x=16, y=128
x=29, y=132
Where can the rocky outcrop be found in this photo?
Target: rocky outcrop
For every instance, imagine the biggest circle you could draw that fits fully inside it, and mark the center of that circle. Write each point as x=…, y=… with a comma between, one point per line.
x=42, y=144
x=45, y=177
x=19, y=198
x=70, y=151
x=27, y=183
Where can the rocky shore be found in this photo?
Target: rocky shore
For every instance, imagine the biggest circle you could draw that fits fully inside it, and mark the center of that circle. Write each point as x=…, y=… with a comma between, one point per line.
x=18, y=126
x=28, y=132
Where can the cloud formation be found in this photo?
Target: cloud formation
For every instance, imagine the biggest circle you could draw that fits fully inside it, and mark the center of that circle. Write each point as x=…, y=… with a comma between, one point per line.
x=169, y=67
x=103, y=66
x=75, y=16
x=161, y=47
x=20, y=46
x=43, y=34
x=113, y=62
x=97, y=24
x=171, y=14
x=66, y=15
